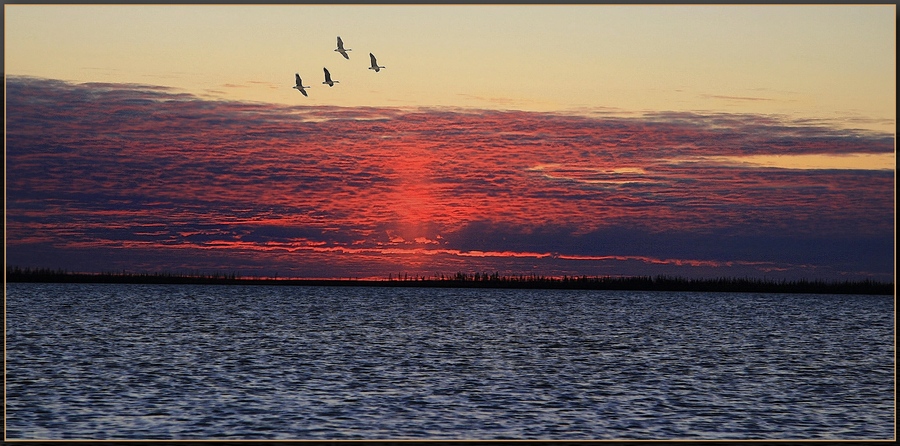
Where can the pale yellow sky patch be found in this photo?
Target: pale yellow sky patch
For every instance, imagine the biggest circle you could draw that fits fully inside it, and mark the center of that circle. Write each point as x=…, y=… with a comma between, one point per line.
x=803, y=61
x=852, y=161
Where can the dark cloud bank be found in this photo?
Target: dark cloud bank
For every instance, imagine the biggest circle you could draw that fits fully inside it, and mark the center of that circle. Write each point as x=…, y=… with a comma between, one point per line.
x=112, y=177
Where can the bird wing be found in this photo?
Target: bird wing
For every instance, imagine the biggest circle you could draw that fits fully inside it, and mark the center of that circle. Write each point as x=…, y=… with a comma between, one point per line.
x=340, y=43
x=372, y=56
x=327, y=74
x=297, y=77
x=304, y=92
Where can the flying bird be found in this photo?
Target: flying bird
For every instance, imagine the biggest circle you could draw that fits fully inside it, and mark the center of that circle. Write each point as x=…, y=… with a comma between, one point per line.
x=374, y=64
x=328, y=78
x=299, y=85
x=341, y=49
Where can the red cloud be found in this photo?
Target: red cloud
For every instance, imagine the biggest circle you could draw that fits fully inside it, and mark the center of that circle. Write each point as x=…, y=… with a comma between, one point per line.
x=323, y=190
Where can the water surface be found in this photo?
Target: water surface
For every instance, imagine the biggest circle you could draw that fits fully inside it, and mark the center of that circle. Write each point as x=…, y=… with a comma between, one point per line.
x=109, y=361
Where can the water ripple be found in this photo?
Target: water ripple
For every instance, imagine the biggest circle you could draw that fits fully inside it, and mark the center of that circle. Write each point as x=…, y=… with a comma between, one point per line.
x=231, y=362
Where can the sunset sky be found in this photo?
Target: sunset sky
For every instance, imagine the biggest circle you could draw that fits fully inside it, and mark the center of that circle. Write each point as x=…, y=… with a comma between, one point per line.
x=697, y=141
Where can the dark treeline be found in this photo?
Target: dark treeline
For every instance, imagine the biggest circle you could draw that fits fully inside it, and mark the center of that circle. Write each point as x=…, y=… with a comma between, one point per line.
x=17, y=274
x=475, y=280
x=668, y=283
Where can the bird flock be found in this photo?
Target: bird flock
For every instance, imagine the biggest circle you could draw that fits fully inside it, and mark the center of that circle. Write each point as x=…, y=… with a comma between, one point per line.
x=328, y=80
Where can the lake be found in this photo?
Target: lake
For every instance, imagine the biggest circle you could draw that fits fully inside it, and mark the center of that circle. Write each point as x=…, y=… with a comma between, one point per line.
x=112, y=361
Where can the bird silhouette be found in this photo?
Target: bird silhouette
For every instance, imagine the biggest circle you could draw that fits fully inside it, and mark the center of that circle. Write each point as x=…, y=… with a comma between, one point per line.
x=328, y=78
x=299, y=85
x=374, y=64
x=341, y=49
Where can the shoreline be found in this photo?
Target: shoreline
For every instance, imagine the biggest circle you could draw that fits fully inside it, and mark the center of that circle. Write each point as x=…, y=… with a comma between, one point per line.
x=477, y=281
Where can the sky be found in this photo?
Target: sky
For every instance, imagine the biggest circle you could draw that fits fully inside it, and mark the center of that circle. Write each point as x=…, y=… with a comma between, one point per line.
x=598, y=140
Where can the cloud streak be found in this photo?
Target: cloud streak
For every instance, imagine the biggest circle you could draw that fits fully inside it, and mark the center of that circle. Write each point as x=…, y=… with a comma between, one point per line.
x=737, y=98
x=106, y=177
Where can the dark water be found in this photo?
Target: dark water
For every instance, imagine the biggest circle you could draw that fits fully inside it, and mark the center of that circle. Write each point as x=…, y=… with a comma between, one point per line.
x=217, y=362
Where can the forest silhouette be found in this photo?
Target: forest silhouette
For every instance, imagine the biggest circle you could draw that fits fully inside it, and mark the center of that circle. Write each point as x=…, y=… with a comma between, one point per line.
x=472, y=280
